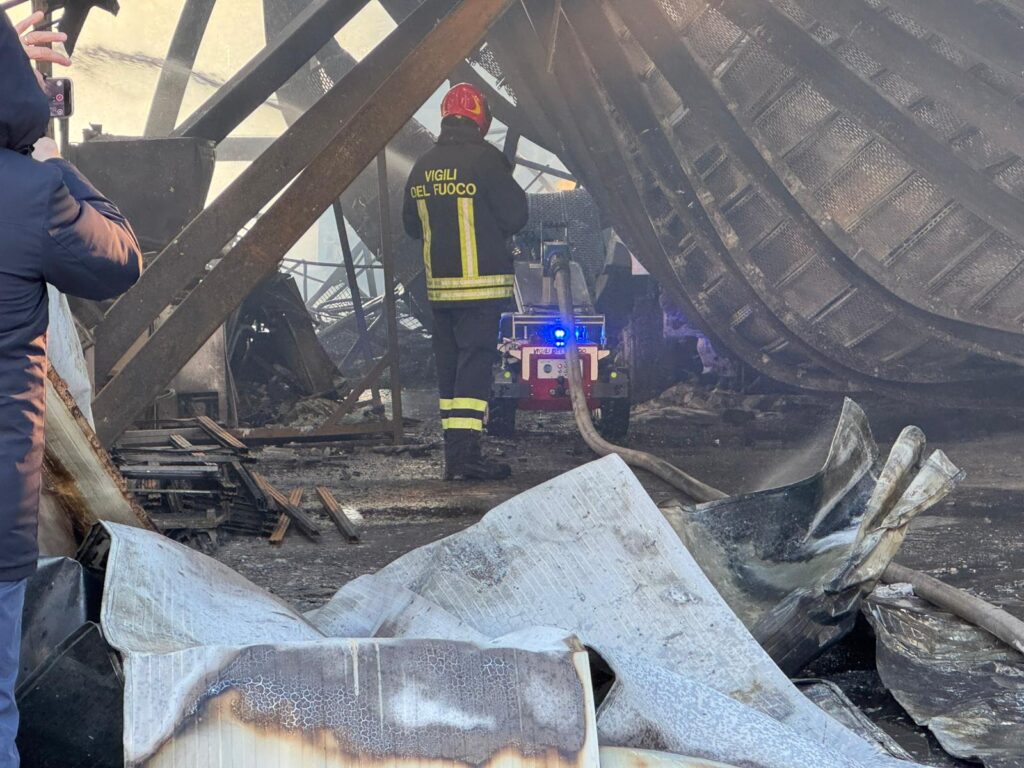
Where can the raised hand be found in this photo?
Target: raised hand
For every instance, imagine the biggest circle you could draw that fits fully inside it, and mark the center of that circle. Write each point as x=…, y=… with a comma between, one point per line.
x=35, y=41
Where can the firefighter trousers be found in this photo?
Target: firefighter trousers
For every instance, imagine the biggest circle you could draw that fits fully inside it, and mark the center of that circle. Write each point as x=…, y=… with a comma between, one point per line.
x=466, y=348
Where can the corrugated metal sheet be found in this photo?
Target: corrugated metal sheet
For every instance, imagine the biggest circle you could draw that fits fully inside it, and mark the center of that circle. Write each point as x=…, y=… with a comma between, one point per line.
x=220, y=673
x=365, y=702
x=591, y=553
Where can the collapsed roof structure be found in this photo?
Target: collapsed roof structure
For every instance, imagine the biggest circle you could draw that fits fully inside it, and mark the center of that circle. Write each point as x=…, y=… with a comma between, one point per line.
x=832, y=191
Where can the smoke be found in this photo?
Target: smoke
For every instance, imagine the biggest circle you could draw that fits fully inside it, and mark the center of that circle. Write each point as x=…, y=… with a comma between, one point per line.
x=785, y=468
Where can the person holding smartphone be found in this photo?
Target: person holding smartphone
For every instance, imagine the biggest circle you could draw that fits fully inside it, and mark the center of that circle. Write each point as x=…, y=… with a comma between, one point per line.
x=56, y=228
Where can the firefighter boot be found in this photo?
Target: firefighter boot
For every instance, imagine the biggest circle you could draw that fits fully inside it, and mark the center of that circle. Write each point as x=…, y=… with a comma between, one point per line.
x=468, y=462
x=449, y=455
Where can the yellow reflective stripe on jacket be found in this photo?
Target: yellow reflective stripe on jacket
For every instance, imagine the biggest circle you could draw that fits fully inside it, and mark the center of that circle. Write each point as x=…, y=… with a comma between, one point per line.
x=446, y=405
x=473, y=294
x=487, y=281
x=421, y=206
x=468, y=404
x=467, y=237
x=474, y=424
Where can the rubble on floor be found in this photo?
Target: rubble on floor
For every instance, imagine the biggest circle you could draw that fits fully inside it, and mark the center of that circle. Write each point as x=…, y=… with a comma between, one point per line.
x=576, y=614
x=698, y=406
x=955, y=679
x=279, y=367
x=194, y=479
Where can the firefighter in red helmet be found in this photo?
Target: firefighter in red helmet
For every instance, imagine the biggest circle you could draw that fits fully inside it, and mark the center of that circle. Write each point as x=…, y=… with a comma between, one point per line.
x=463, y=203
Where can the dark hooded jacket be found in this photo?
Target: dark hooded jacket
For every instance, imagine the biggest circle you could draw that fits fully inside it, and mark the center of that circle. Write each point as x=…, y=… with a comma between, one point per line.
x=54, y=228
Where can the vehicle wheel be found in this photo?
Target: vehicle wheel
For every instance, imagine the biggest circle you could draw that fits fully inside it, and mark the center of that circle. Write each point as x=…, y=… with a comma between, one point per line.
x=613, y=419
x=501, y=420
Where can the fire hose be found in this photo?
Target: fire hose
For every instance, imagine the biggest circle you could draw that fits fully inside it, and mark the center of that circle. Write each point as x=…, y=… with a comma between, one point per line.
x=966, y=606
x=672, y=475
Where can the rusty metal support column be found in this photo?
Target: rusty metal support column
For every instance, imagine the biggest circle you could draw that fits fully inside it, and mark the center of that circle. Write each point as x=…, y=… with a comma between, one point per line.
x=269, y=69
x=185, y=258
x=394, y=98
x=363, y=343
x=177, y=69
x=387, y=259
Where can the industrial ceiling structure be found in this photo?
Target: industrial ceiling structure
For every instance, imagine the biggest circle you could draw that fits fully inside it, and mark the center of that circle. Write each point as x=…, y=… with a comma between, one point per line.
x=833, y=190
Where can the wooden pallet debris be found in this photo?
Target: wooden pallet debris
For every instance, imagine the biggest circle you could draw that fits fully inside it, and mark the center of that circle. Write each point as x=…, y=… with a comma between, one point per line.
x=335, y=512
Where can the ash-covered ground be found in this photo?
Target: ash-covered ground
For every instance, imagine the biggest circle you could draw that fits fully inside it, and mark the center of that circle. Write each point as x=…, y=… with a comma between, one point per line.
x=736, y=443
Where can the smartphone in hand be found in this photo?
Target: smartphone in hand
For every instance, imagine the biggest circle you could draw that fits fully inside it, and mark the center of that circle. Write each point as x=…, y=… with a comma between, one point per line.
x=60, y=94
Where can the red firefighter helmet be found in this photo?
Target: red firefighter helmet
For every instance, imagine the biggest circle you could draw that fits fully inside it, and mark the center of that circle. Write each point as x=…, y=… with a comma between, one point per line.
x=465, y=100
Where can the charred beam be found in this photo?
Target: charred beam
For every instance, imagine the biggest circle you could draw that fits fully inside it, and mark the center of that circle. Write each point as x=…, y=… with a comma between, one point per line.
x=393, y=99
x=270, y=69
x=177, y=68
x=184, y=259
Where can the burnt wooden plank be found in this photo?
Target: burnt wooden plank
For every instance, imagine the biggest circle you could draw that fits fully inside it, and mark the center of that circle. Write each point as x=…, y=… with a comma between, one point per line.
x=334, y=511
x=302, y=521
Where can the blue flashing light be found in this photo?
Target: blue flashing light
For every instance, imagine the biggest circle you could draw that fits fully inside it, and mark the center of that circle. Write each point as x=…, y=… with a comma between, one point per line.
x=559, y=334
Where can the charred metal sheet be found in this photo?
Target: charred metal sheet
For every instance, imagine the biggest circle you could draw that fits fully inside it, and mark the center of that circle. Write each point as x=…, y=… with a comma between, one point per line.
x=621, y=757
x=71, y=706
x=368, y=702
x=962, y=683
x=381, y=113
x=589, y=552
x=61, y=596
x=831, y=699
x=795, y=562
x=219, y=673
x=374, y=607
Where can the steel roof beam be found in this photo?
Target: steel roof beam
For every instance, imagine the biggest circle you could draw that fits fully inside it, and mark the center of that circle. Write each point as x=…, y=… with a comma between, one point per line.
x=899, y=51
x=386, y=101
x=257, y=81
x=184, y=259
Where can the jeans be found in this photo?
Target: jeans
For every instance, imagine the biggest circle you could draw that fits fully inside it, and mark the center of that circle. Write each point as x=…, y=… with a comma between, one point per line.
x=12, y=600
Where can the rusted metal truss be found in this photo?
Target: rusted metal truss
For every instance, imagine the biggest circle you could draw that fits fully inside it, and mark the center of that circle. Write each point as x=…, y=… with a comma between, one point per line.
x=177, y=68
x=270, y=69
x=183, y=261
x=385, y=100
